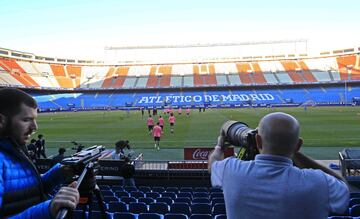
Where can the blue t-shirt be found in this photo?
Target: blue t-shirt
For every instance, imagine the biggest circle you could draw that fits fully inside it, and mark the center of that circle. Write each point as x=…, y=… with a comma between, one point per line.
x=271, y=187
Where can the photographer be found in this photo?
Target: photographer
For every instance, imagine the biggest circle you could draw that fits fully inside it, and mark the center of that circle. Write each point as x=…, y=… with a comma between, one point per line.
x=58, y=158
x=270, y=186
x=127, y=170
x=23, y=192
x=119, y=153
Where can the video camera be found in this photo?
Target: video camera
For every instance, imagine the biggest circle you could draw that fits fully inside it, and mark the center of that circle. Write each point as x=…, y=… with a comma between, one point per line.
x=83, y=165
x=80, y=159
x=240, y=135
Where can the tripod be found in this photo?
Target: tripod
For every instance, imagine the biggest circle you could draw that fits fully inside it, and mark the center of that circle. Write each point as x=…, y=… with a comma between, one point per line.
x=87, y=187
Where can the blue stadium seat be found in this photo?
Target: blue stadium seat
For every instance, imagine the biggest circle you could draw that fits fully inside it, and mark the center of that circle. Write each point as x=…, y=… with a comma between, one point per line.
x=82, y=207
x=104, y=187
x=355, y=210
x=137, y=194
x=201, y=200
x=117, y=207
x=79, y=214
x=201, y=189
x=158, y=189
x=186, y=189
x=128, y=200
x=201, y=208
x=184, y=194
x=153, y=195
x=175, y=216
x=95, y=206
x=200, y=195
x=172, y=195
x=354, y=201
x=117, y=188
x=138, y=207
x=130, y=188
x=215, y=189
x=220, y=216
x=172, y=189
x=218, y=209
x=107, y=193
x=150, y=216
x=121, y=194
x=124, y=215
x=144, y=189
x=346, y=213
x=160, y=208
x=147, y=200
x=216, y=195
x=97, y=214
x=184, y=199
x=355, y=195
x=217, y=200
x=201, y=216
x=167, y=200
x=108, y=199
x=182, y=208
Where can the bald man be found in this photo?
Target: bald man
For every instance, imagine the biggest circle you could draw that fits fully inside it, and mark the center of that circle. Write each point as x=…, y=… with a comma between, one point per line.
x=271, y=186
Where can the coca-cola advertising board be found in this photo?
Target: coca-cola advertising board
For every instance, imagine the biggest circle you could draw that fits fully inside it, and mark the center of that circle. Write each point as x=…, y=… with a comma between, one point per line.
x=203, y=153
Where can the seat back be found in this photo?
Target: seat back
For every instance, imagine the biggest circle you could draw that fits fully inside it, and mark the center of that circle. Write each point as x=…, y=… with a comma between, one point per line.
x=138, y=207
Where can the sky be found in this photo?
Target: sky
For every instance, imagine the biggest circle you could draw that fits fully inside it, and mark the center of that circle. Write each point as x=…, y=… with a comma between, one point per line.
x=81, y=29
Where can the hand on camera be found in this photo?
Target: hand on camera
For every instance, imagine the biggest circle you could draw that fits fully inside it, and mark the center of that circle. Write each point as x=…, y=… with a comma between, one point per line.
x=67, y=197
x=221, y=139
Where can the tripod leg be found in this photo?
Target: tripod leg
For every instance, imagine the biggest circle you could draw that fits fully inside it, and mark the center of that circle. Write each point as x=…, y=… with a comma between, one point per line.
x=89, y=203
x=100, y=200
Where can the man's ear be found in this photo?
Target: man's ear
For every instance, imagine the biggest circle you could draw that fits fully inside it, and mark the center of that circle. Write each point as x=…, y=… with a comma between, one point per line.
x=2, y=122
x=299, y=144
x=258, y=142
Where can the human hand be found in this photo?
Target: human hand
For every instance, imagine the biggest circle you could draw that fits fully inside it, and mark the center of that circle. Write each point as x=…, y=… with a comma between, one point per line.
x=220, y=142
x=67, y=197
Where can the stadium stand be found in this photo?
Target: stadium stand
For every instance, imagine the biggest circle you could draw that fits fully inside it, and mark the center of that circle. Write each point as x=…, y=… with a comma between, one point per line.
x=301, y=71
x=213, y=208
x=318, y=95
x=225, y=83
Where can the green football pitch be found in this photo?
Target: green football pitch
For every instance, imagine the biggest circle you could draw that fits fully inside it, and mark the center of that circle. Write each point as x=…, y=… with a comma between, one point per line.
x=325, y=130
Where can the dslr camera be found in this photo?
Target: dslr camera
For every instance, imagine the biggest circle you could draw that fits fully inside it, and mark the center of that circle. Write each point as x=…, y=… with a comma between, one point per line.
x=240, y=135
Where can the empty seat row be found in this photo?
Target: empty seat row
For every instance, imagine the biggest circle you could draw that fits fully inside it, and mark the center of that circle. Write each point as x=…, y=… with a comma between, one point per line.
x=159, y=189
x=127, y=215
x=172, y=195
x=167, y=200
x=160, y=208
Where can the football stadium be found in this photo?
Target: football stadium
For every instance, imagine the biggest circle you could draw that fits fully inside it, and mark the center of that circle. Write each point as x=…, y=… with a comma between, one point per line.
x=88, y=103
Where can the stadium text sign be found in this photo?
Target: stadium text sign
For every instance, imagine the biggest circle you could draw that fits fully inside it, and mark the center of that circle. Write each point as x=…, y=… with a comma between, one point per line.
x=203, y=153
x=206, y=98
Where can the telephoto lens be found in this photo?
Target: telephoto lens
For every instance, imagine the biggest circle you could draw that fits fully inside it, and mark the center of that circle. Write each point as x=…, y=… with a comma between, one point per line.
x=240, y=135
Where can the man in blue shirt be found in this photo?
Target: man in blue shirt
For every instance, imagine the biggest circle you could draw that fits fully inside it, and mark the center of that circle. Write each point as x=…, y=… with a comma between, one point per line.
x=271, y=186
x=23, y=191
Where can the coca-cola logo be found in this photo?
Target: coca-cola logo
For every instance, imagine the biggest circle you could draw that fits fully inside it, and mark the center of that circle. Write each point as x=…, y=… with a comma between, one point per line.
x=200, y=154
x=203, y=153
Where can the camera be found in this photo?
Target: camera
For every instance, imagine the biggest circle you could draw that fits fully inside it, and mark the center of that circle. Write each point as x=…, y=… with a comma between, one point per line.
x=79, y=160
x=240, y=135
